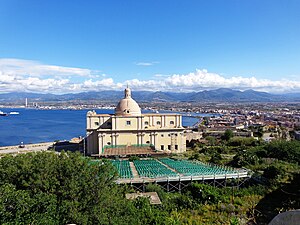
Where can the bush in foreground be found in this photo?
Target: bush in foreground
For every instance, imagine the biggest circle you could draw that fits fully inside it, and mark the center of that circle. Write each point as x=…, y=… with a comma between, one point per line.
x=47, y=188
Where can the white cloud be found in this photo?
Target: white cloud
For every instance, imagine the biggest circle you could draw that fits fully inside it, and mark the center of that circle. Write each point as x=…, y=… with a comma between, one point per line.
x=146, y=63
x=203, y=80
x=34, y=68
x=158, y=75
x=104, y=84
x=10, y=83
x=31, y=76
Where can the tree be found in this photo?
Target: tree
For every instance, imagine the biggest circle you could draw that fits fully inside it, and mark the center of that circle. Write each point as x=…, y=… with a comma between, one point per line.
x=211, y=140
x=245, y=158
x=260, y=132
x=227, y=135
x=49, y=188
x=216, y=158
x=284, y=150
x=272, y=172
x=203, y=193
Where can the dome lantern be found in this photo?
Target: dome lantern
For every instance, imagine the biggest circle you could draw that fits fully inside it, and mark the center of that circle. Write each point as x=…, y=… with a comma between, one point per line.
x=127, y=93
x=127, y=106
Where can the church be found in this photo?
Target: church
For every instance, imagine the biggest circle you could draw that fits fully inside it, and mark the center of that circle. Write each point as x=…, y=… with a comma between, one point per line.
x=129, y=132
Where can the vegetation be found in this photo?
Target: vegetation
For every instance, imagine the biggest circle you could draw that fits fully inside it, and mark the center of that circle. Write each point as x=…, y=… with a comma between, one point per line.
x=132, y=158
x=50, y=188
x=276, y=168
x=227, y=135
x=47, y=188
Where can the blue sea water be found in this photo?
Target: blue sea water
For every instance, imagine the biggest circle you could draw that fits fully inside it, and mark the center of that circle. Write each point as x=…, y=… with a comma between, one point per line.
x=33, y=125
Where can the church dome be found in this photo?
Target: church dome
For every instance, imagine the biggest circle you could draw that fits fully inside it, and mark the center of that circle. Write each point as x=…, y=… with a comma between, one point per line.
x=127, y=106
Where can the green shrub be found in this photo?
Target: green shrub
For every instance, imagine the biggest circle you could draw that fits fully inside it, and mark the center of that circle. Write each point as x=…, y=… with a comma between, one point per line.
x=156, y=188
x=133, y=158
x=216, y=158
x=272, y=172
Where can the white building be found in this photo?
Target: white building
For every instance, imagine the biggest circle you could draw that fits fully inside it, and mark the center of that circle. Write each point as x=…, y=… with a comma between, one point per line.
x=130, y=131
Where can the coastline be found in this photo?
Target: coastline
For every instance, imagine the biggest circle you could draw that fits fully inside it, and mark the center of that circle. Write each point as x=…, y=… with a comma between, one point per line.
x=43, y=146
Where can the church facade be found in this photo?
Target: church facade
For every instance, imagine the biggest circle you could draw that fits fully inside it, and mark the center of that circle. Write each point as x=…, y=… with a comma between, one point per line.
x=129, y=127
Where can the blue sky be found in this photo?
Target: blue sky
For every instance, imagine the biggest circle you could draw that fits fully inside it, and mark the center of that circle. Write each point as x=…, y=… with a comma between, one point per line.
x=76, y=45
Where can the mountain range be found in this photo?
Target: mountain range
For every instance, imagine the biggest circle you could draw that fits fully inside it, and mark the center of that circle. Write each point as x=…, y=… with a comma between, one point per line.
x=218, y=95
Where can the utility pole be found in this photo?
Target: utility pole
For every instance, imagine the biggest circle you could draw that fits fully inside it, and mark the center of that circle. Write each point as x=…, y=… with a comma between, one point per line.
x=84, y=146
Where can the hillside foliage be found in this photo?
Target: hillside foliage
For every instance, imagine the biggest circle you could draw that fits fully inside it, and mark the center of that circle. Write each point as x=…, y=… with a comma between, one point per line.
x=51, y=188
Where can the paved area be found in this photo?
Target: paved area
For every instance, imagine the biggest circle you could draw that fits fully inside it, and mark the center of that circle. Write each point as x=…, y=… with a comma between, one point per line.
x=134, y=171
x=153, y=197
x=27, y=148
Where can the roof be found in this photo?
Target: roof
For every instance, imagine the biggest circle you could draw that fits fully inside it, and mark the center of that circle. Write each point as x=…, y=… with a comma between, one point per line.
x=127, y=106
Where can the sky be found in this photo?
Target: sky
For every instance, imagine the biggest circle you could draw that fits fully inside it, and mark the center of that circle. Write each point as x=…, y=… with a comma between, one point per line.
x=71, y=46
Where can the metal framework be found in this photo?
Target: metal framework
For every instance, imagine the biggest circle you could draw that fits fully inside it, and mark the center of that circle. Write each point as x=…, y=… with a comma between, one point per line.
x=177, y=184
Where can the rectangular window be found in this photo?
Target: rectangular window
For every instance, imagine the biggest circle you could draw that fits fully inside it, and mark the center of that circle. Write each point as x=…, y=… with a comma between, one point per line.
x=169, y=147
x=162, y=147
x=176, y=147
x=128, y=122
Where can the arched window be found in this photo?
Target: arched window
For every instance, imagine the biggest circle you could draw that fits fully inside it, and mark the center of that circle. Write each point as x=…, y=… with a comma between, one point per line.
x=171, y=122
x=158, y=122
x=146, y=122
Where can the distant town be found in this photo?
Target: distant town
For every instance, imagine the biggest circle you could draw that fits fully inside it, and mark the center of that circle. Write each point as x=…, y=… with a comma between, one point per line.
x=266, y=120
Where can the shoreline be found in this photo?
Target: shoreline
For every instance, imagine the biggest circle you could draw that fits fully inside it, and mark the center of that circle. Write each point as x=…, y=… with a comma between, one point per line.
x=42, y=146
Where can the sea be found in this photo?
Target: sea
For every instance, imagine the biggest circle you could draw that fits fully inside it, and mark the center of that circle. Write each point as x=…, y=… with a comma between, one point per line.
x=35, y=125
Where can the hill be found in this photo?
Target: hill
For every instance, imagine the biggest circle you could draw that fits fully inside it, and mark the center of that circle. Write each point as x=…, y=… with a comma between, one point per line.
x=218, y=95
